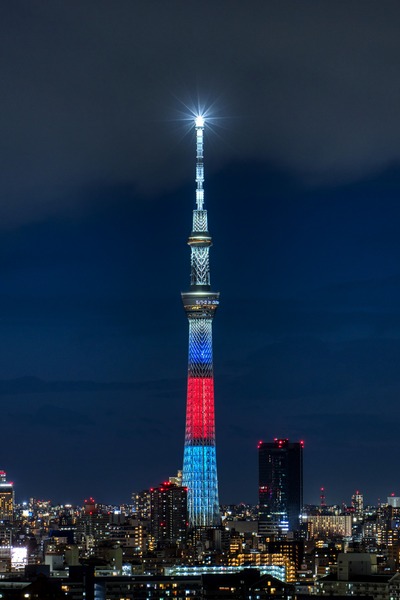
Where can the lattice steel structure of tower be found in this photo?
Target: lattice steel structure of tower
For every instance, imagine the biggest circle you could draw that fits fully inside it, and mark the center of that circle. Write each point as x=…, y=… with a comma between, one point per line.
x=200, y=303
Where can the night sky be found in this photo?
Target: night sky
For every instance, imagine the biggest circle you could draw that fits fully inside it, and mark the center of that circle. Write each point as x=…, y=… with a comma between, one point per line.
x=302, y=163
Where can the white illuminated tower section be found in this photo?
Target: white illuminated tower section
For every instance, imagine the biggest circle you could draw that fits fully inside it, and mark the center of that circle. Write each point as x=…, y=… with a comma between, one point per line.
x=200, y=303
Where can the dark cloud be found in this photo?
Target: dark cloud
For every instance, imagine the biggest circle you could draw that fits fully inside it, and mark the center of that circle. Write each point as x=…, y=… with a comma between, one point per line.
x=34, y=385
x=53, y=418
x=91, y=92
x=62, y=441
x=348, y=373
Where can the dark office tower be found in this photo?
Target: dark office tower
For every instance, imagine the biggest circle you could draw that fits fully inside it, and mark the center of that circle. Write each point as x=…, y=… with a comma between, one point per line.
x=280, y=487
x=168, y=514
x=6, y=498
x=200, y=303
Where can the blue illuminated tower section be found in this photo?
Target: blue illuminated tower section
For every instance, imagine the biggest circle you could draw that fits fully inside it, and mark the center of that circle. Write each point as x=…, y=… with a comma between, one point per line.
x=200, y=303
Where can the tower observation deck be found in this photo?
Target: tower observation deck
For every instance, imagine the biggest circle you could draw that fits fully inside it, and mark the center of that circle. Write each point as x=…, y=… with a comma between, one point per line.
x=200, y=304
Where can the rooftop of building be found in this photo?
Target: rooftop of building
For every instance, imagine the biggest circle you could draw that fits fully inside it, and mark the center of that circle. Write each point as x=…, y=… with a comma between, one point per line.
x=361, y=578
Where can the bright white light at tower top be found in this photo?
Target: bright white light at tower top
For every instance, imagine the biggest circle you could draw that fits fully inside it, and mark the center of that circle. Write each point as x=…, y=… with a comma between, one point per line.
x=199, y=121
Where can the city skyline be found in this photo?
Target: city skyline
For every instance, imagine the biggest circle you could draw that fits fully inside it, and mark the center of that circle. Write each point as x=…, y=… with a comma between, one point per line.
x=303, y=184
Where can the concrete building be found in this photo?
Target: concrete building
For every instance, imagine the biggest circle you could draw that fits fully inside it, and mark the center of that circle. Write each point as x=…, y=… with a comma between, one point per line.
x=357, y=576
x=328, y=526
x=168, y=514
x=6, y=498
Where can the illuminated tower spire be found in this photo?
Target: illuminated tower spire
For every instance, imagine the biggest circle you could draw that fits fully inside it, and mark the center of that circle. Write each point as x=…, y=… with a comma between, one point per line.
x=199, y=462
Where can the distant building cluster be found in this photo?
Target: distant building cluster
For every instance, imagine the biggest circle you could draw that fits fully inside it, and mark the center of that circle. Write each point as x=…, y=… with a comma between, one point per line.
x=148, y=550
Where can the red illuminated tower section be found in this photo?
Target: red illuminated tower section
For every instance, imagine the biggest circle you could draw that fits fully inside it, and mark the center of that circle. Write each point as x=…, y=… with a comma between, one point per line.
x=200, y=303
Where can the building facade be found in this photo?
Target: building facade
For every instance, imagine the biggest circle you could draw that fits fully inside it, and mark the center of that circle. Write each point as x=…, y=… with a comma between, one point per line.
x=280, y=487
x=168, y=521
x=328, y=526
x=6, y=498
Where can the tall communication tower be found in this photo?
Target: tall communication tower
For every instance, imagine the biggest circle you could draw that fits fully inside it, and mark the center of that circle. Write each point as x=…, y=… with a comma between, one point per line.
x=200, y=303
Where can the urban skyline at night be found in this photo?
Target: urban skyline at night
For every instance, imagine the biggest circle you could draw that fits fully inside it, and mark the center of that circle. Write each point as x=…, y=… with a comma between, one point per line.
x=303, y=185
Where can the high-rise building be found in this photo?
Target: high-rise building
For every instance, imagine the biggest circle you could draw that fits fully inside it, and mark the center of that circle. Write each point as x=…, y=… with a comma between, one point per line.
x=92, y=525
x=200, y=303
x=357, y=502
x=280, y=487
x=393, y=501
x=322, y=499
x=6, y=498
x=168, y=520
x=142, y=504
